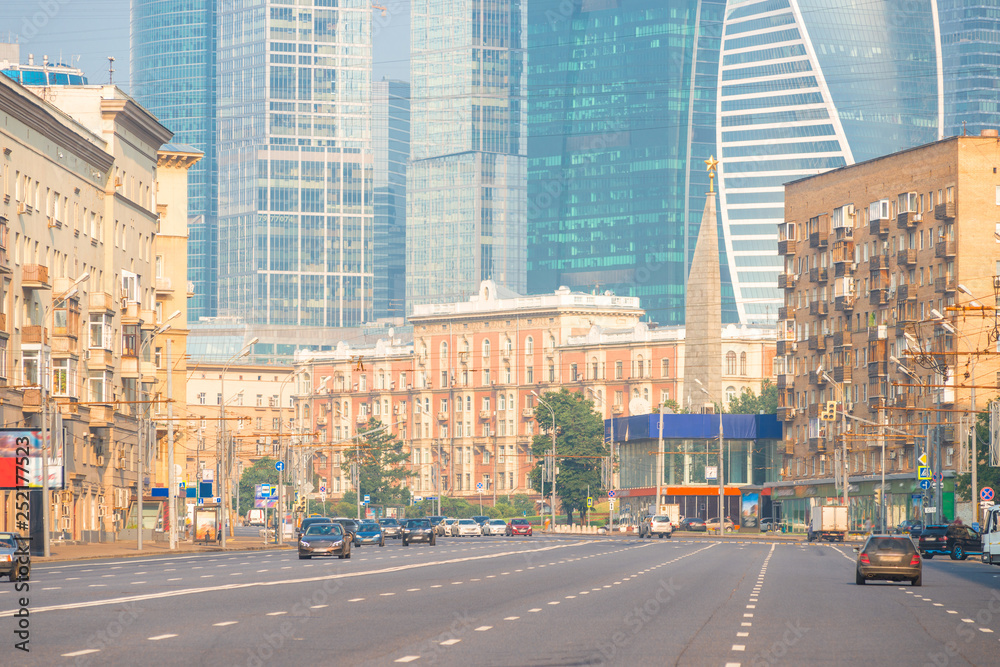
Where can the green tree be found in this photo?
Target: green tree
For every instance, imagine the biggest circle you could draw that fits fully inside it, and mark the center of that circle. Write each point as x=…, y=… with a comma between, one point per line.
x=579, y=448
x=382, y=470
x=750, y=403
x=986, y=475
x=523, y=504
x=261, y=472
x=672, y=408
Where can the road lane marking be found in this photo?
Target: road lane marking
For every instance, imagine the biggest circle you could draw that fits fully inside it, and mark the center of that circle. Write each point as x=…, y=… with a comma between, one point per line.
x=385, y=595
x=554, y=602
x=411, y=590
x=133, y=583
x=450, y=642
x=159, y=637
x=83, y=652
x=742, y=634
x=739, y=647
x=174, y=579
x=408, y=658
x=225, y=623
x=985, y=630
x=536, y=609
x=484, y=628
x=512, y=618
x=52, y=588
x=356, y=600
x=276, y=613
x=319, y=606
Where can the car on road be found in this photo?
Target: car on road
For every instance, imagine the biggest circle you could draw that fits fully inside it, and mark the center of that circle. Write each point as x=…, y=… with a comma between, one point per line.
x=419, y=530
x=693, y=524
x=391, y=527
x=350, y=526
x=955, y=540
x=767, y=524
x=713, y=524
x=889, y=557
x=518, y=527
x=311, y=521
x=494, y=527
x=324, y=539
x=9, y=559
x=658, y=525
x=481, y=520
x=369, y=532
x=437, y=522
x=910, y=527
x=466, y=528
x=446, y=526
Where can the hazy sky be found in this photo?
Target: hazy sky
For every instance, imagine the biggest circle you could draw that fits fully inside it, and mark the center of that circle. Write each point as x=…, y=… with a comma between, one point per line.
x=85, y=32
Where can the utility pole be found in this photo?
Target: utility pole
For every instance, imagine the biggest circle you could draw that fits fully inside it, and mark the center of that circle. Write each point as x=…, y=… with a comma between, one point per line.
x=142, y=445
x=881, y=437
x=659, y=464
x=974, y=471
x=722, y=483
x=171, y=479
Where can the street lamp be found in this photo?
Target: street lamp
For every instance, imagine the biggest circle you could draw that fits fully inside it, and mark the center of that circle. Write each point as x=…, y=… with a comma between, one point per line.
x=281, y=457
x=843, y=431
x=722, y=484
x=223, y=460
x=70, y=292
x=549, y=408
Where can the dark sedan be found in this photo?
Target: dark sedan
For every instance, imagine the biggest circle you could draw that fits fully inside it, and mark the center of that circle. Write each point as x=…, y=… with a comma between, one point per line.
x=391, y=527
x=891, y=557
x=324, y=539
x=693, y=524
x=419, y=530
x=369, y=532
x=10, y=564
x=312, y=521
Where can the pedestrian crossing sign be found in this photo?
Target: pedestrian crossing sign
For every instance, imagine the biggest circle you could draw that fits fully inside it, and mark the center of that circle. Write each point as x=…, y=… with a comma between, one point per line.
x=923, y=472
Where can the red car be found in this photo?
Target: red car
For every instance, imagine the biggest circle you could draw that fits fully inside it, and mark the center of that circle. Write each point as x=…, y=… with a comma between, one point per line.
x=518, y=527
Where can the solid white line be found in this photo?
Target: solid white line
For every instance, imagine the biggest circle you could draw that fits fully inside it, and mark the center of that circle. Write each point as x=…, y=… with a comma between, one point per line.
x=319, y=606
x=133, y=583
x=159, y=637
x=83, y=652
x=52, y=588
x=174, y=579
x=534, y=610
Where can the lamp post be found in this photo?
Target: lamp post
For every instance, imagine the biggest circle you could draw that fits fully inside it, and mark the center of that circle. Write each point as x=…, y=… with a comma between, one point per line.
x=549, y=408
x=223, y=450
x=281, y=457
x=46, y=430
x=722, y=483
x=843, y=434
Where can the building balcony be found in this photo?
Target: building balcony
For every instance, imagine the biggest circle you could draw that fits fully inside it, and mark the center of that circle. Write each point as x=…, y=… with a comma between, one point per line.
x=817, y=342
x=100, y=301
x=844, y=302
x=102, y=415
x=3, y=323
x=819, y=308
x=99, y=358
x=785, y=381
x=786, y=414
x=813, y=411
x=907, y=220
x=527, y=413
x=946, y=285
x=442, y=416
x=148, y=318
x=34, y=335
x=130, y=367
x=35, y=276
x=164, y=286
x=842, y=374
x=361, y=419
x=784, y=347
x=786, y=247
x=945, y=211
x=819, y=239
x=817, y=445
x=786, y=312
x=878, y=369
x=32, y=400
x=843, y=251
x=842, y=339
x=485, y=414
x=402, y=417
x=876, y=402
x=878, y=262
x=816, y=378
x=878, y=227
x=906, y=401
x=904, y=293
x=617, y=409
x=819, y=274
x=786, y=280
x=131, y=313
x=878, y=297
x=944, y=249
x=906, y=257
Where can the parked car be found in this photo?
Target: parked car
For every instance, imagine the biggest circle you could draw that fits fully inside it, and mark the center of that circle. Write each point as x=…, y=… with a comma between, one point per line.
x=311, y=521
x=910, y=527
x=713, y=524
x=693, y=524
x=891, y=557
x=767, y=524
x=9, y=564
x=494, y=527
x=369, y=532
x=658, y=525
x=954, y=540
x=391, y=527
x=419, y=530
x=436, y=521
x=324, y=539
x=466, y=528
x=446, y=526
x=518, y=527
x=481, y=520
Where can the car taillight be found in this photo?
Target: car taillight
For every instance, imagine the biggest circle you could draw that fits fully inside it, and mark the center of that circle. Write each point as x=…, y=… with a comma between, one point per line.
x=915, y=559
x=864, y=559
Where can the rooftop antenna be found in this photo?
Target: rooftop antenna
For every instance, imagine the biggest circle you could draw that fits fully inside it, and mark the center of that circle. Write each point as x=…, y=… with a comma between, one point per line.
x=963, y=129
x=111, y=70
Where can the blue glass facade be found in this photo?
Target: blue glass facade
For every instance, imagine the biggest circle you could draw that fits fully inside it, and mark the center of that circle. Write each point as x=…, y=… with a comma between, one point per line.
x=467, y=175
x=391, y=137
x=970, y=45
x=296, y=167
x=806, y=86
x=621, y=116
x=173, y=75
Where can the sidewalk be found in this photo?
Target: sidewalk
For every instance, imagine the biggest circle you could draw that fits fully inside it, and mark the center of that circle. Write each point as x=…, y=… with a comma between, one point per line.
x=66, y=552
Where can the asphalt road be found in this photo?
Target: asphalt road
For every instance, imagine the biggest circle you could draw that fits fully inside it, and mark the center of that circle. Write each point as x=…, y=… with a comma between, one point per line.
x=508, y=601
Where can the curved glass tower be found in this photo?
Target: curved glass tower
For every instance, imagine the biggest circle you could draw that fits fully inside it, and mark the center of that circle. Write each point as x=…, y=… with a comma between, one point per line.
x=173, y=75
x=806, y=86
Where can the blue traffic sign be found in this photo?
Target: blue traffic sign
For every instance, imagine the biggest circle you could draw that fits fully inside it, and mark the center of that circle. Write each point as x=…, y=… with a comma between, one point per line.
x=986, y=493
x=479, y=486
x=611, y=493
x=923, y=472
x=279, y=466
x=925, y=484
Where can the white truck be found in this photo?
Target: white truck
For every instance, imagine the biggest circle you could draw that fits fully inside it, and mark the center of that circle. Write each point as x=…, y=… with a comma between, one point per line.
x=255, y=517
x=673, y=511
x=828, y=522
x=991, y=535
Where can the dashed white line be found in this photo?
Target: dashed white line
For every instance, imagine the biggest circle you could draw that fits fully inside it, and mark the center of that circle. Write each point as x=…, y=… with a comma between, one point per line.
x=484, y=628
x=276, y=613
x=224, y=623
x=83, y=652
x=408, y=658
x=450, y=642
x=355, y=599
x=159, y=637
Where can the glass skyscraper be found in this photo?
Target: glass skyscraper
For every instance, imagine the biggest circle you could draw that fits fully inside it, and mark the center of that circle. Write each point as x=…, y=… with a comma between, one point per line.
x=391, y=137
x=467, y=175
x=296, y=204
x=970, y=45
x=622, y=110
x=173, y=75
x=806, y=86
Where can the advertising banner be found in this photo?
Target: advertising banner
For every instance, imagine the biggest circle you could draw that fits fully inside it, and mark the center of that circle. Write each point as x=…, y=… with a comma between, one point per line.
x=749, y=509
x=21, y=460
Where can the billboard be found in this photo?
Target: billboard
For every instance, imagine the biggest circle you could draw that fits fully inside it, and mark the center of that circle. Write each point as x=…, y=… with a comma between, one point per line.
x=24, y=446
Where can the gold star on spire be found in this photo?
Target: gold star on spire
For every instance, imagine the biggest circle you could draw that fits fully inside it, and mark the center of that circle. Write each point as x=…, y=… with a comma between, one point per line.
x=713, y=165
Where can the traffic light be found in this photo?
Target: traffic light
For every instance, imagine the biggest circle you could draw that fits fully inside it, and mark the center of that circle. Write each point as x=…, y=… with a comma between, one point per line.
x=829, y=412
x=878, y=496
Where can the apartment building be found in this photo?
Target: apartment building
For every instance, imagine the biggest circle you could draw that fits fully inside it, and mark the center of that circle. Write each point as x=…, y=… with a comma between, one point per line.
x=889, y=284
x=462, y=396
x=78, y=294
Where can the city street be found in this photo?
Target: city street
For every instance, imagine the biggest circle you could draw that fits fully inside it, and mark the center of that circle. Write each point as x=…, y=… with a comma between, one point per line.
x=509, y=601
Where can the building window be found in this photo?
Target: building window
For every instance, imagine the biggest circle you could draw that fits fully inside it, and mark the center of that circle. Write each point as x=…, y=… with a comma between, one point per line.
x=730, y=363
x=201, y=398
x=665, y=368
x=63, y=377
x=730, y=394
x=552, y=373
x=100, y=331
x=529, y=345
x=506, y=374
x=743, y=363
x=486, y=351
x=618, y=370
x=529, y=375
x=572, y=373
x=99, y=386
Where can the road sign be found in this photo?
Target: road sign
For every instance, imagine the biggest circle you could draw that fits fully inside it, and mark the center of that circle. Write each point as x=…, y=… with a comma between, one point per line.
x=479, y=486
x=368, y=498
x=925, y=484
x=201, y=501
x=322, y=489
x=611, y=493
x=417, y=499
x=711, y=472
x=915, y=497
x=265, y=490
x=590, y=502
x=279, y=465
x=922, y=459
x=930, y=510
x=986, y=493
x=938, y=476
x=182, y=486
x=923, y=472
x=611, y=505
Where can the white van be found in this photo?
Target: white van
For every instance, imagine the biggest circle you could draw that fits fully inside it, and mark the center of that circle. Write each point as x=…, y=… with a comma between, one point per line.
x=255, y=517
x=991, y=535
